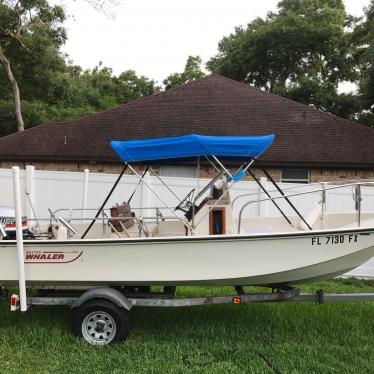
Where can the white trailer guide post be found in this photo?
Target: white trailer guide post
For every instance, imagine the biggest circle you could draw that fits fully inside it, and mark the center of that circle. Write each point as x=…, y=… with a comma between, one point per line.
x=19, y=236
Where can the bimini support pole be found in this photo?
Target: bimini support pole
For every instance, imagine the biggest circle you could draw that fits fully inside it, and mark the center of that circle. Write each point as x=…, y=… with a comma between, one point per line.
x=222, y=166
x=165, y=185
x=268, y=195
x=283, y=194
x=136, y=187
x=19, y=236
x=159, y=197
x=105, y=201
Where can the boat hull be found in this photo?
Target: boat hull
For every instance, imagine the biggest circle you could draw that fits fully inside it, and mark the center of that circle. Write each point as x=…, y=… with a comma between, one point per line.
x=269, y=259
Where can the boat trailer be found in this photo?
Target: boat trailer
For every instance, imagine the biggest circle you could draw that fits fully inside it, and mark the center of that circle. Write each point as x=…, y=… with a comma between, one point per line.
x=100, y=314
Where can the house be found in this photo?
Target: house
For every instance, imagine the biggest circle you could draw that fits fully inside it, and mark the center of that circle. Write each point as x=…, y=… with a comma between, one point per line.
x=310, y=145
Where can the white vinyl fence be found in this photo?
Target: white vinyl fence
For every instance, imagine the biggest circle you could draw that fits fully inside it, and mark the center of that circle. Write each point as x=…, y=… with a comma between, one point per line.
x=54, y=190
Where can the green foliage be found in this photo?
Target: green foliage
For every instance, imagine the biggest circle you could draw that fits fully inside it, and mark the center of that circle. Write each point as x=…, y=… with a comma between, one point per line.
x=363, y=37
x=37, y=112
x=34, y=56
x=323, y=96
x=99, y=88
x=73, y=93
x=366, y=118
x=192, y=71
x=303, y=52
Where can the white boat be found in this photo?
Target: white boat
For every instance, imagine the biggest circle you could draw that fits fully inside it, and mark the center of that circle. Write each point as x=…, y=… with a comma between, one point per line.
x=199, y=242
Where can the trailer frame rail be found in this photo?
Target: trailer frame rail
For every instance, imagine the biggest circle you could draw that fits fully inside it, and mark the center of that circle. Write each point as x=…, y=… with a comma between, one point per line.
x=287, y=295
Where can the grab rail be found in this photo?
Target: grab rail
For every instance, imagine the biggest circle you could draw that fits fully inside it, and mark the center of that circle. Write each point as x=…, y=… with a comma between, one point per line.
x=139, y=221
x=362, y=183
x=72, y=210
x=274, y=190
x=323, y=189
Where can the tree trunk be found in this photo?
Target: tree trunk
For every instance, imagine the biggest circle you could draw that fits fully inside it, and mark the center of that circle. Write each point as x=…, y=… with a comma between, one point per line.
x=16, y=95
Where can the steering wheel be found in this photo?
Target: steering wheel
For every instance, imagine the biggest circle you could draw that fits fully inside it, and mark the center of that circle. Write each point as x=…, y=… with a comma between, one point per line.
x=179, y=206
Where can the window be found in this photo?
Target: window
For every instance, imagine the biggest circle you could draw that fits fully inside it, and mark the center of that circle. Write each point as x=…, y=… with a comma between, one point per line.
x=295, y=176
x=178, y=171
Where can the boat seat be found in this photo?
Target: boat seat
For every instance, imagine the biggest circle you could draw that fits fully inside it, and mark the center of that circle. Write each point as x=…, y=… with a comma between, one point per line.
x=122, y=210
x=171, y=228
x=257, y=229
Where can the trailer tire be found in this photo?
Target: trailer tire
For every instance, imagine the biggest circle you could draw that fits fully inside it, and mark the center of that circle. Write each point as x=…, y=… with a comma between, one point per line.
x=100, y=322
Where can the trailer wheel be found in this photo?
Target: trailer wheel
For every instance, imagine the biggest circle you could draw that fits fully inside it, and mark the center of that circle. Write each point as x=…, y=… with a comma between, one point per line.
x=100, y=322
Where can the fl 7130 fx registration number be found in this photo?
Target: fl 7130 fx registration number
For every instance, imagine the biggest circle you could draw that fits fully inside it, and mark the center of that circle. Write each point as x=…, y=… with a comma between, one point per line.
x=334, y=239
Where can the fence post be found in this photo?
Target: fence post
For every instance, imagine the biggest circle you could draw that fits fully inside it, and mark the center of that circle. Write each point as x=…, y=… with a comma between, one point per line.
x=263, y=205
x=84, y=192
x=29, y=191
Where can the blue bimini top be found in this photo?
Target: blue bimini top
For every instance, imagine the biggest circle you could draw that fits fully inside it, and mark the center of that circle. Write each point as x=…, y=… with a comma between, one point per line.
x=189, y=147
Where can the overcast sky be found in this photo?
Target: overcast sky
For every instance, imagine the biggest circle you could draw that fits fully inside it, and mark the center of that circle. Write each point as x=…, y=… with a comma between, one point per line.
x=155, y=37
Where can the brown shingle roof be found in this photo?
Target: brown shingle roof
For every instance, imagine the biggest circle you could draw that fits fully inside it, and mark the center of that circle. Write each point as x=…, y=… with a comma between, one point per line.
x=213, y=105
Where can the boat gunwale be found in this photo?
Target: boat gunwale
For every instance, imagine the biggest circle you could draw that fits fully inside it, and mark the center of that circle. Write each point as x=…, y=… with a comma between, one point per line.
x=231, y=237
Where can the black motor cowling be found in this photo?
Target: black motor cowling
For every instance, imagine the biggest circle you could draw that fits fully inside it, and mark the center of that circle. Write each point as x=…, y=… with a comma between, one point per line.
x=8, y=222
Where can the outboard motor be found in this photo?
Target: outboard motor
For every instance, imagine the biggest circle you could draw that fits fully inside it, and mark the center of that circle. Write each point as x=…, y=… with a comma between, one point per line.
x=8, y=222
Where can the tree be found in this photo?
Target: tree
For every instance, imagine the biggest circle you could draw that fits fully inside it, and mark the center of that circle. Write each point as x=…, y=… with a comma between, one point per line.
x=192, y=71
x=100, y=89
x=73, y=93
x=363, y=37
x=302, y=52
x=23, y=25
x=130, y=86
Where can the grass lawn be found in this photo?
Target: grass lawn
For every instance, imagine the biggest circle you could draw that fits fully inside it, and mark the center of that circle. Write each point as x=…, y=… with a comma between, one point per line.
x=257, y=338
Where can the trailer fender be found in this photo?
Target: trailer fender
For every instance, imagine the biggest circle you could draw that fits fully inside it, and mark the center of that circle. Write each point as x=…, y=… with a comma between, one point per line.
x=106, y=293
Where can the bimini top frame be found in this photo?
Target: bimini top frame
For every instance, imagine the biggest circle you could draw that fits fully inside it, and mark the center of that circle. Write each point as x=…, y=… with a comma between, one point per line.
x=242, y=150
